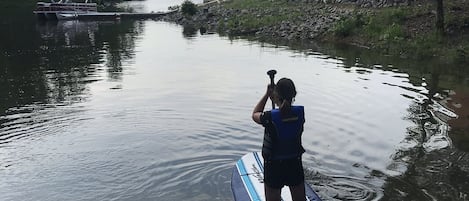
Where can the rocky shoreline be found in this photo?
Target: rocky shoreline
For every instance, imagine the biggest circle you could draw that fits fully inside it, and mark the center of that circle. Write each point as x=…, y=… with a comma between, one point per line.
x=316, y=20
x=404, y=30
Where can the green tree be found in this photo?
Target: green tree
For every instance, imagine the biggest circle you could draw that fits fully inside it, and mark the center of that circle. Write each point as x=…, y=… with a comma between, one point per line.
x=188, y=8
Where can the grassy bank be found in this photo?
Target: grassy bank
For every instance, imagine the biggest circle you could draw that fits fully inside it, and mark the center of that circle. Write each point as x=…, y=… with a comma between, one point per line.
x=409, y=31
x=250, y=19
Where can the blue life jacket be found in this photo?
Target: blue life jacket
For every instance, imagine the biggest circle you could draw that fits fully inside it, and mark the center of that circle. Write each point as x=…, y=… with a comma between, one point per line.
x=282, y=135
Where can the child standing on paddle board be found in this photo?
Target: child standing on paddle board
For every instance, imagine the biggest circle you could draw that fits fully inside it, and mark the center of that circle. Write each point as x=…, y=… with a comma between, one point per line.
x=282, y=147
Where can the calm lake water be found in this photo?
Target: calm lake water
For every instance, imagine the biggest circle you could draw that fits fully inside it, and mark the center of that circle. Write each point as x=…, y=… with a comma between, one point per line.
x=148, y=110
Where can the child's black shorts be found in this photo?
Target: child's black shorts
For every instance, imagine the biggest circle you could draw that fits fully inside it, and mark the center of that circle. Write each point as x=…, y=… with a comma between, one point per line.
x=279, y=173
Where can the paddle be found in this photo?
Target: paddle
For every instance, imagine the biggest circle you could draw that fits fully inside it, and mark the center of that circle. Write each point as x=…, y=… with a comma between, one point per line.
x=271, y=74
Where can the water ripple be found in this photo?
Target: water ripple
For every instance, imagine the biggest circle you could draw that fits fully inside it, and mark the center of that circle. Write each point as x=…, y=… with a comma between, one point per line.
x=36, y=121
x=343, y=187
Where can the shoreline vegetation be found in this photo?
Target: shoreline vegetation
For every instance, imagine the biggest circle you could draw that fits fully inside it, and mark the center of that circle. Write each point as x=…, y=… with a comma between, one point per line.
x=405, y=30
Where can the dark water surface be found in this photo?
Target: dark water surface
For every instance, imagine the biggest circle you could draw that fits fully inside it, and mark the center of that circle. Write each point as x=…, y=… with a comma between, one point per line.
x=145, y=110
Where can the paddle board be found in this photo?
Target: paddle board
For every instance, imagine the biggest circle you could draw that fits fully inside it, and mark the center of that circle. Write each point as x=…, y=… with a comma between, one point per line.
x=247, y=180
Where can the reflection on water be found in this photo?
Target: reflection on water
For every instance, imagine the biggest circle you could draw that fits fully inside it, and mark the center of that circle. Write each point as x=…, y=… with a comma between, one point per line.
x=57, y=64
x=189, y=31
x=142, y=110
x=43, y=81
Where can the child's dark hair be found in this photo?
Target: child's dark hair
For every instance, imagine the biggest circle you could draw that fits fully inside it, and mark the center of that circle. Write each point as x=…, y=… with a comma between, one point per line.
x=286, y=92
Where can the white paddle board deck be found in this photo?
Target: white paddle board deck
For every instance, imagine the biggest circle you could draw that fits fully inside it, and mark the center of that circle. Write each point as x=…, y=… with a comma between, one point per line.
x=247, y=181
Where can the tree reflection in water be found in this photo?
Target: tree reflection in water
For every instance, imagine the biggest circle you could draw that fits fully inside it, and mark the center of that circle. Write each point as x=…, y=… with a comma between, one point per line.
x=436, y=166
x=55, y=60
x=189, y=31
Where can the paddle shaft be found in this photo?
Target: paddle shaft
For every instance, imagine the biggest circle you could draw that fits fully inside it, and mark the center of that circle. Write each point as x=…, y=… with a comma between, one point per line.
x=271, y=74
